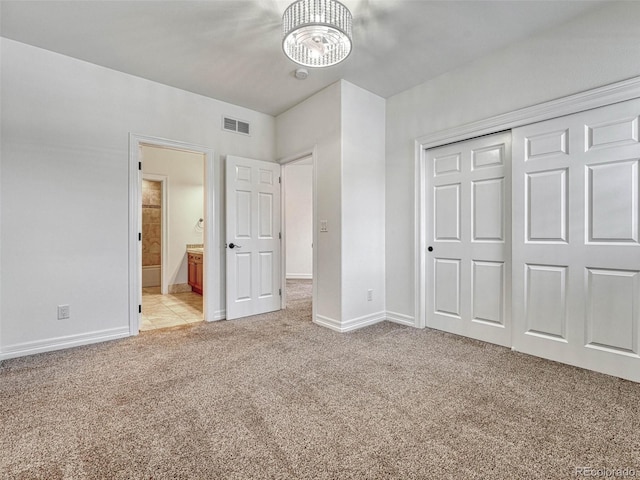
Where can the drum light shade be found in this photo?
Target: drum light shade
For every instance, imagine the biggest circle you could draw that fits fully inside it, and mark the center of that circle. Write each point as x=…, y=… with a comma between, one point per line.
x=317, y=33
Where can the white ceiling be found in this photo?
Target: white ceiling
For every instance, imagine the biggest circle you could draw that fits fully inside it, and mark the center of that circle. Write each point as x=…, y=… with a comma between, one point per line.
x=231, y=49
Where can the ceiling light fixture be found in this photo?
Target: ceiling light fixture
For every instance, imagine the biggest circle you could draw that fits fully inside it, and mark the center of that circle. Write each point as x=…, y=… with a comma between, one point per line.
x=317, y=33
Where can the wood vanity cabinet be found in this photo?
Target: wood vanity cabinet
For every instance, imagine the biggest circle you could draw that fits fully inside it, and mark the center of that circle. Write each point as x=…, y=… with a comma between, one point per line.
x=195, y=272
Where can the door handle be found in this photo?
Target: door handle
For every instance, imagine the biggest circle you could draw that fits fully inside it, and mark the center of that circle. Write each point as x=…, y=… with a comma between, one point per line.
x=234, y=245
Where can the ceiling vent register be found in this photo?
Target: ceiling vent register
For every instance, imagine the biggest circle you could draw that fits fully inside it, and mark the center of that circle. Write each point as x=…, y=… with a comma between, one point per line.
x=237, y=126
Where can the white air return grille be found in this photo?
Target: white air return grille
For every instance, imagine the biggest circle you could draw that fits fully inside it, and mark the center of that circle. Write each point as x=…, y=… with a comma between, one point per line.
x=233, y=125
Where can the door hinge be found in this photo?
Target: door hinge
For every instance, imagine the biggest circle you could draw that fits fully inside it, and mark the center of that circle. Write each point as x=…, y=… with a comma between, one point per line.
x=139, y=236
x=280, y=291
x=280, y=235
x=279, y=179
x=139, y=165
x=139, y=308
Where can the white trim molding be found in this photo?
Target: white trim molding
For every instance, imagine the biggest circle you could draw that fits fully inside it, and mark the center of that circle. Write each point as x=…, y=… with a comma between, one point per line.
x=299, y=276
x=350, y=325
x=364, y=321
x=401, y=319
x=327, y=322
x=60, y=343
x=579, y=102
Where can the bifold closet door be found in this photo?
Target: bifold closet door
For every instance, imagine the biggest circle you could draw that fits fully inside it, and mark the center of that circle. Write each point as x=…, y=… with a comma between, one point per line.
x=576, y=250
x=467, y=230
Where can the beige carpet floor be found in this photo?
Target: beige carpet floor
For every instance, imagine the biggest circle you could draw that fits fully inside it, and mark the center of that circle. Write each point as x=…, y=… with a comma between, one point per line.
x=277, y=397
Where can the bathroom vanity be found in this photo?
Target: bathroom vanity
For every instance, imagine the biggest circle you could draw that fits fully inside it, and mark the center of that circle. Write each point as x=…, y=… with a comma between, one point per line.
x=194, y=256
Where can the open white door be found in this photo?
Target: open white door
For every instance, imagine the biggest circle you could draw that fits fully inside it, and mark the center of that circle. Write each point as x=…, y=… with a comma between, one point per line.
x=253, y=237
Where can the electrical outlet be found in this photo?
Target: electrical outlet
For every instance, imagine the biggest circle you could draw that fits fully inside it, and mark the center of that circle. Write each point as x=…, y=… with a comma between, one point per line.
x=63, y=312
x=369, y=295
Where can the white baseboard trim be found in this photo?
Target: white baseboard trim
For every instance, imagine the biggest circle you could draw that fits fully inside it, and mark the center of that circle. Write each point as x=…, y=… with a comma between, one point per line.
x=327, y=322
x=363, y=321
x=350, y=325
x=219, y=315
x=401, y=318
x=60, y=343
x=299, y=276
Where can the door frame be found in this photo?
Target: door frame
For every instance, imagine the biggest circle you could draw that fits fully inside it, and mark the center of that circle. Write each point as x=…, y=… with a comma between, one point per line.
x=164, y=250
x=292, y=159
x=598, y=97
x=211, y=282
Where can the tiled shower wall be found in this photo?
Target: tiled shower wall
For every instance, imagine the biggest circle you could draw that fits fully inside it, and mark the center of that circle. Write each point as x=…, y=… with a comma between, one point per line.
x=151, y=222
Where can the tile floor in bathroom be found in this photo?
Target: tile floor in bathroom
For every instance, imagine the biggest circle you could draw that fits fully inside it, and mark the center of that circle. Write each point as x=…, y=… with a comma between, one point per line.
x=171, y=310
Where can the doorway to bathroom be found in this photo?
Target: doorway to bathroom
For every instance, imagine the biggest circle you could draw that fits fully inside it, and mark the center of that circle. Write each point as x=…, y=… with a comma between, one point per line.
x=172, y=236
x=209, y=194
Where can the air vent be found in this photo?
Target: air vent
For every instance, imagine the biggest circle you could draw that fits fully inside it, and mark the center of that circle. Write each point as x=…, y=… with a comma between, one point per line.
x=233, y=125
x=243, y=127
x=230, y=124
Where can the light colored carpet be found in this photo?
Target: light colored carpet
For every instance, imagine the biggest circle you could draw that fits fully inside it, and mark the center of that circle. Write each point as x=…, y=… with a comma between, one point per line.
x=299, y=290
x=277, y=397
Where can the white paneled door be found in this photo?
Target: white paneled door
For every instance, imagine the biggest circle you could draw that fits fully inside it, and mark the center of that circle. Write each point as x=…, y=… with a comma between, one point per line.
x=576, y=250
x=252, y=232
x=468, y=238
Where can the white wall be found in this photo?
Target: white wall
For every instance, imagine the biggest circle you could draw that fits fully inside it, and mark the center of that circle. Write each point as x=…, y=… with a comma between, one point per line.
x=64, y=186
x=346, y=124
x=185, y=203
x=363, y=167
x=298, y=200
x=316, y=123
x=597, y=49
